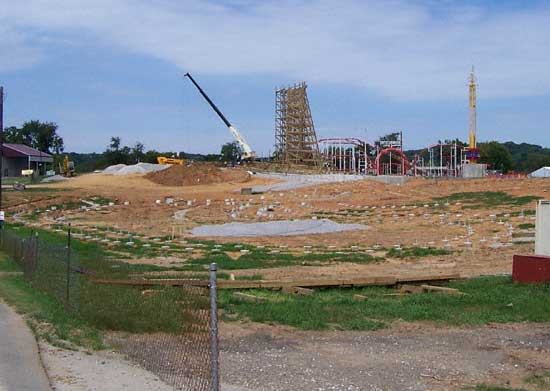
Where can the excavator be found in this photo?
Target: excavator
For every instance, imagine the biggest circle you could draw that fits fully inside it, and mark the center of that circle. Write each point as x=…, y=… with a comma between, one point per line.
x=67, y=168
x=248, y=153
x=169, y=160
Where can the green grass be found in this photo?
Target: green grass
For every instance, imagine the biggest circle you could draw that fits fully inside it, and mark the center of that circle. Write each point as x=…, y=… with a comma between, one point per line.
x=26, y=180
x=253, y=277
x=526, y=226
x=48, y=318
x=540, y=380
x=261, y=259
x=7, y=265
x=488, y=300
x=95, y=308
x=487, y=199
x=416, y=252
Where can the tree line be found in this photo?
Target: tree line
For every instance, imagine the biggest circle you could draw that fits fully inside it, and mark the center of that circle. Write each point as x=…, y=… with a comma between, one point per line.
x=502, y=157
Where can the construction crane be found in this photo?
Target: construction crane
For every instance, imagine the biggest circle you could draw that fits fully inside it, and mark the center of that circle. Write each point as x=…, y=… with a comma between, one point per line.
x=472, y=155
x=248, y=153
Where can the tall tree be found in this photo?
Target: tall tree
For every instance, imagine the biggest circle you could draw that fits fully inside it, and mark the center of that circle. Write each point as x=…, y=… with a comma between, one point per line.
x=137, y=152
x=40, y=135
x=115, y=143
x=496, y=155
x=231, y=152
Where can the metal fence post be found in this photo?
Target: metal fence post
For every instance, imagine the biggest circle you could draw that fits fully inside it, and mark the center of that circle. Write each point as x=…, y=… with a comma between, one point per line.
x=214, y=327
x=35, y=264
x=68, y=264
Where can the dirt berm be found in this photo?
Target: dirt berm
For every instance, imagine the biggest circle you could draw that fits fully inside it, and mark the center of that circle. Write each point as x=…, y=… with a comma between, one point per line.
x=197, y=174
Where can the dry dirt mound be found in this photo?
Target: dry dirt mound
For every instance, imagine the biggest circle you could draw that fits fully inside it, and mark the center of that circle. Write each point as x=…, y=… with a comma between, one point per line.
x=197, y=174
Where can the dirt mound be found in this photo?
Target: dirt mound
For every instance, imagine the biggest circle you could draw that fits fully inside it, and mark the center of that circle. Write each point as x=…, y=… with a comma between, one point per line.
x=197, y=174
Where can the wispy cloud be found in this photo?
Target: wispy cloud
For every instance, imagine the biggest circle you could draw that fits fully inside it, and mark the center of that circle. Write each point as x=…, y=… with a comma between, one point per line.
x=396, y=48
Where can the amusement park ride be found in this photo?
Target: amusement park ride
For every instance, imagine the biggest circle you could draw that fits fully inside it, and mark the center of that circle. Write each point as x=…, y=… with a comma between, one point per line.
x=385, y=157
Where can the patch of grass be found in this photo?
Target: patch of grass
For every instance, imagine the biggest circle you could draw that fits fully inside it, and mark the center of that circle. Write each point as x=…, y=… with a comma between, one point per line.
x=487, y=199
x=540, y=380
x=95, y=308
x=123, y=308
x=416, y=252
x=260, y=259
x=253, y=277
x=7, y=265
x=26, y=180
x=487, y=300
x=526, y=226
x=48, y=318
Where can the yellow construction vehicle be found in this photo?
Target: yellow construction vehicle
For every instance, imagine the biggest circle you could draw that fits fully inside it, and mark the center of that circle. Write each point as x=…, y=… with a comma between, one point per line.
x=67, y=168
x=169, y=160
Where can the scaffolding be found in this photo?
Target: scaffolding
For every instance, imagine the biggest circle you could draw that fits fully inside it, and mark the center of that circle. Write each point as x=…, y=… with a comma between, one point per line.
x=295, y=138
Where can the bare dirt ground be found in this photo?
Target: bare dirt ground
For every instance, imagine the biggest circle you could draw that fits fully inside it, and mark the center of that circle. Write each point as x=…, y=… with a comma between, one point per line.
x=414, y=357
x=405, y=215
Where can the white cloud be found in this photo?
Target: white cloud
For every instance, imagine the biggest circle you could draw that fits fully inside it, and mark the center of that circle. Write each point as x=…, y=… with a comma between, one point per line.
x=394, y=48
x=15, y=50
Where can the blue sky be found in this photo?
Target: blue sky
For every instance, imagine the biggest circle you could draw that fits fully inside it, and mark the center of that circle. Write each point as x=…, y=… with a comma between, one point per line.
x=100, y=68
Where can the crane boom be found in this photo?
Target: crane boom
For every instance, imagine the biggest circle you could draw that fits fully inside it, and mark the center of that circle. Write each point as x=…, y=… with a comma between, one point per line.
x=248, y=153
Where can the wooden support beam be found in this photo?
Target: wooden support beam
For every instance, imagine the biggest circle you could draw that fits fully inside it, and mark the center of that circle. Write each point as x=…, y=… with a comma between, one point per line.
x=280, y=284
x=248, y=297
x=411, y=289
x=304, y=291
x=442, y=289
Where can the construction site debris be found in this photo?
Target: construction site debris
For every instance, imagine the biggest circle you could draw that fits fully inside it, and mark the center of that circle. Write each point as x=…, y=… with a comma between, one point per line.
x=248, y=297
x=197, y=174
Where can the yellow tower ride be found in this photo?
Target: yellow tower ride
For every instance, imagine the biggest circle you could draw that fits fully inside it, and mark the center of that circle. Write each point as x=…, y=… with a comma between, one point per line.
x=472, y=155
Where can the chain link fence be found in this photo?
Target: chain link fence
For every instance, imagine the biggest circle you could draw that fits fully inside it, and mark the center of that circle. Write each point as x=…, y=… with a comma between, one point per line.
x=168, y=330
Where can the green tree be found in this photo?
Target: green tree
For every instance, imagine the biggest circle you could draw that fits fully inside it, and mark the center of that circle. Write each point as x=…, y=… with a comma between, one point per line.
x=115, y=144
x=137, y=152
x=496, y=155
x=40, y=135
x=231, y=152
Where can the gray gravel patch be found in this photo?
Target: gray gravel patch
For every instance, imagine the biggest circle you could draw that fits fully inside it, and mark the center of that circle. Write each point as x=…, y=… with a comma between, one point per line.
x=139, y=168
x=54, y=178
x=297, y=181
x=276, y=228
x=416, y=360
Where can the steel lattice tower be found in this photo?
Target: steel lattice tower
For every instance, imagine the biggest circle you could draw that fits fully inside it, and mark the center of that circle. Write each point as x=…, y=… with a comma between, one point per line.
x=295, y=138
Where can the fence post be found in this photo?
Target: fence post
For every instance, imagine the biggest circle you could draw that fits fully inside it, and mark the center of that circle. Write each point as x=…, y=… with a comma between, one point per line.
x=214, y=327
x=68, y=265
x=35, y=264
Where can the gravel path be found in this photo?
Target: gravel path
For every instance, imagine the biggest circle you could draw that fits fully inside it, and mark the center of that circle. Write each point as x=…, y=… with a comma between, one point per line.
x=100, y=371
x=275, y=228
x=417, y=359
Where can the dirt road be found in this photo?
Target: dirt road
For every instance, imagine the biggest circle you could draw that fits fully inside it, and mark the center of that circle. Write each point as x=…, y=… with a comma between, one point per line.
x=407, y=357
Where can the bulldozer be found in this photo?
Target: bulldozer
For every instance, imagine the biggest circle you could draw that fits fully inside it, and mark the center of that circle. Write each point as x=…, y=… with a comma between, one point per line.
x=67, y=167
x=169, y=160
